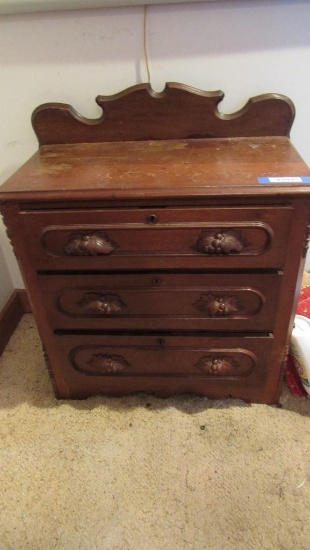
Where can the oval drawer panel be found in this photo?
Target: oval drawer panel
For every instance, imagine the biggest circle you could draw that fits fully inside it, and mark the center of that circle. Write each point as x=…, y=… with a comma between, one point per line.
x=193, y=237
x=165, y=364
x=131, y=361
x=162, y=300
x=112, y=355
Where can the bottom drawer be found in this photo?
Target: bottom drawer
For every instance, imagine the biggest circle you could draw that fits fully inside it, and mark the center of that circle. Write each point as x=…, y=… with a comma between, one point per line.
x=215, y=366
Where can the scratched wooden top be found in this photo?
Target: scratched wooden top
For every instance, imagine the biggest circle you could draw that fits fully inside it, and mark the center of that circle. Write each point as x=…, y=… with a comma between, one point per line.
x=153, y=169
x=171, y=144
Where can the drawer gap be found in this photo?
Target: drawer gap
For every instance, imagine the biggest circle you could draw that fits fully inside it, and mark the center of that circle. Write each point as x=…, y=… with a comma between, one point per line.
x=198, y=334
x=70, y=272
x=119, y=205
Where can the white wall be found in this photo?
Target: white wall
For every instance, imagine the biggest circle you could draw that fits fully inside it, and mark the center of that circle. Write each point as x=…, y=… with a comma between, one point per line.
x=244, y=48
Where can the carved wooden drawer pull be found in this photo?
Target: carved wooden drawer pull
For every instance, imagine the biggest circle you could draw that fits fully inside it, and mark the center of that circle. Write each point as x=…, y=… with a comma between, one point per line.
x=220, y=242
x=217, y=306
x=102, y=304
x=89, y=244
x=218, y=366
x=101, y=364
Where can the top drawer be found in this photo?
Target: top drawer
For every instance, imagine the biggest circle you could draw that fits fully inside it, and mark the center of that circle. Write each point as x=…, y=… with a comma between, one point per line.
x=142, y=238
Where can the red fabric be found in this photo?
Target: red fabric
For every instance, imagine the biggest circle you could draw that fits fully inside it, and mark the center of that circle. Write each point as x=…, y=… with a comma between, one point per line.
x=292, y=379
x=304, y=294
x=303, y=307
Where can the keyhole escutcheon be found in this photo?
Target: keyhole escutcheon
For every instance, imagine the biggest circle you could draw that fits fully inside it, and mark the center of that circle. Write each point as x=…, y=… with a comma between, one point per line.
x=152, y=219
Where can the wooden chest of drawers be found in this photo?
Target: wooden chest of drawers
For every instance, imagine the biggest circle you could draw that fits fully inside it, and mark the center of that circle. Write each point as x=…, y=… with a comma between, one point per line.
x=158, y=252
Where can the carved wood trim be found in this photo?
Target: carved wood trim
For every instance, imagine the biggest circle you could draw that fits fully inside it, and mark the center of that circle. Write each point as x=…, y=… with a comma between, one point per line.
x=101, y=304
x=217, y=305
x=218, y=366
x=306, y=243
x=178, y=112
x=7, y=213
x=89, y=244
x=100, y=364
x=219, y=242
x=221, y=363
x=78, y=242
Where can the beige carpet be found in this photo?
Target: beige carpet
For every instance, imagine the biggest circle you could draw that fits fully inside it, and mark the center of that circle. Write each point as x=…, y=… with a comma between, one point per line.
x=141, y=473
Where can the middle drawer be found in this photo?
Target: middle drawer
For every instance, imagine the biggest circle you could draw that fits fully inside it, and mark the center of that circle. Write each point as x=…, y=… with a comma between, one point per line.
x=165, y=301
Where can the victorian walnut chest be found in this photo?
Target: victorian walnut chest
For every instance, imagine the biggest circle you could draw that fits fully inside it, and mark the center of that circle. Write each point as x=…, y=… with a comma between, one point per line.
x=162, y=244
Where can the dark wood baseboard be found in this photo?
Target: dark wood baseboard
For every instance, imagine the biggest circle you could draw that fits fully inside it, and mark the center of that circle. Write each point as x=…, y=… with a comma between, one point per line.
x=10, y=315
x=23, y=296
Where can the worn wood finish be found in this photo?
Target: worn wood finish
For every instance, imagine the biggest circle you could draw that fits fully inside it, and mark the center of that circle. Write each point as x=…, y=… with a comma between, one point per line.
x=157, y=170
x=179, y=112
x=162, y=265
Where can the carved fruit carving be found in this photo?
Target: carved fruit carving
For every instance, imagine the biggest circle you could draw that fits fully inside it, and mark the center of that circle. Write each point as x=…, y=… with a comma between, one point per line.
x=217, y=306
x=106, y=364
x=220, y=242
x=103, y=304
x=217, y=366
x=89, y=244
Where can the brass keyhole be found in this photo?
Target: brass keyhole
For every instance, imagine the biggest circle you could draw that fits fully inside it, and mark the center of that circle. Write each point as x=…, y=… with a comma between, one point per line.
x=156, y=281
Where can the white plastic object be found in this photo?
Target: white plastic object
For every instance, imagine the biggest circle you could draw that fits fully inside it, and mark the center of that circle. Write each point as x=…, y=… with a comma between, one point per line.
x=300, y=349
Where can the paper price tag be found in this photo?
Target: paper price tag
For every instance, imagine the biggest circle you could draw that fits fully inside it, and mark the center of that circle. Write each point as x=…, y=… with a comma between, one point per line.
x=284, y=179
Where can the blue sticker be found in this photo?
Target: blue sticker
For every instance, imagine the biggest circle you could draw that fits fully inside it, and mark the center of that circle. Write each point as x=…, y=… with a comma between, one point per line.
x=285, y=179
